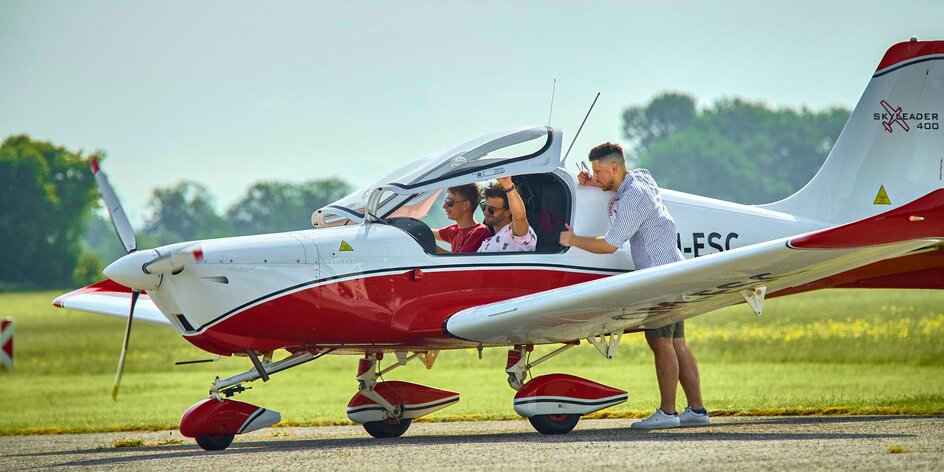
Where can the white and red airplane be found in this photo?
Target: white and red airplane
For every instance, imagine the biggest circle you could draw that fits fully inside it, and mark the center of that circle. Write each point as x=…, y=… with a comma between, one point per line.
x=369, y=281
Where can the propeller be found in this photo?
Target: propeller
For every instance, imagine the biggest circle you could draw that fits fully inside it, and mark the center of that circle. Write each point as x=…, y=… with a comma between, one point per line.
x=126, y=234
x=124, y=346
x=117, y=214
x=138, y=271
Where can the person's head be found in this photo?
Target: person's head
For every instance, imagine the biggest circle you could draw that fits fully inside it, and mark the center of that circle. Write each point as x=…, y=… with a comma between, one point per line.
x=461, y=201
x=496, y=210
x=608, y=164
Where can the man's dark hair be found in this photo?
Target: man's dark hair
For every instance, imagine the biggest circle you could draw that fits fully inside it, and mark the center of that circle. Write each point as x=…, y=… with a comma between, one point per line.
x=496, y=191
x=468, y=192
x=607, y=150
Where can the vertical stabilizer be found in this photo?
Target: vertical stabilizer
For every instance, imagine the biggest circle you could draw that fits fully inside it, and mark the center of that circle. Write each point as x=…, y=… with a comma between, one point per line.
x=891, y=150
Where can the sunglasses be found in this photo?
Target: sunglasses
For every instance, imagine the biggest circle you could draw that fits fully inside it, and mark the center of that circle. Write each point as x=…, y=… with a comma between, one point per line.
x=489, y=209
x=450, y=202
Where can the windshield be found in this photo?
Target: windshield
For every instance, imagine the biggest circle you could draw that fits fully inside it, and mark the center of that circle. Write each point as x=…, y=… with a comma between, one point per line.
x=412, y=189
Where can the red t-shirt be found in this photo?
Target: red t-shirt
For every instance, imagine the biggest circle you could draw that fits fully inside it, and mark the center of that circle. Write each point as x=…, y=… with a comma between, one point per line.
x=465, y=239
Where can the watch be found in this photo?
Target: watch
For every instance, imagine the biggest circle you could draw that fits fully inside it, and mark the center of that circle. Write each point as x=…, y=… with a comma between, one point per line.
x=508, y=190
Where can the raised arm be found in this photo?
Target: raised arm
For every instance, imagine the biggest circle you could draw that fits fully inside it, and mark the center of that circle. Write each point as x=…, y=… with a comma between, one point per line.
x=519, y=216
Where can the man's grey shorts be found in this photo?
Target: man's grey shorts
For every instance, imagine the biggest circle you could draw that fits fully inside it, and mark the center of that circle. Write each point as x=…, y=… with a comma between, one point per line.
x=674, y=330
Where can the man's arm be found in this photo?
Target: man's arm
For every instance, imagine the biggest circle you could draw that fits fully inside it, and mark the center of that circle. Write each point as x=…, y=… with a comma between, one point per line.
x=519, y=216
x=595, y=245
x=436, y=235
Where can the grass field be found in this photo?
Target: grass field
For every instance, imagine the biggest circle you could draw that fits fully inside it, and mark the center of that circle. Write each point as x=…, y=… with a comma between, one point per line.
x=841, y=351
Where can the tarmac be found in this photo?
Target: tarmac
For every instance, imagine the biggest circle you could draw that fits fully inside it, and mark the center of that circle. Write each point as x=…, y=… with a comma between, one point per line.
x=858, y=443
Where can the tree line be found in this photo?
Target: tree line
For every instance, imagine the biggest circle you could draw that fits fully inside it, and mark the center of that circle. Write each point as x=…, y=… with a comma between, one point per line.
x=734, y=150
x=52, y=233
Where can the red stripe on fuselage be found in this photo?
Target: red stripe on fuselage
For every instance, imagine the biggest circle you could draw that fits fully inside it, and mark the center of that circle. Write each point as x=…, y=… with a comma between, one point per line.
x=382, y=310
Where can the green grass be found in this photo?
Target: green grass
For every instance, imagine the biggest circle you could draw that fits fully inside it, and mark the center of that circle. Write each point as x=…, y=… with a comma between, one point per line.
x=850, y=352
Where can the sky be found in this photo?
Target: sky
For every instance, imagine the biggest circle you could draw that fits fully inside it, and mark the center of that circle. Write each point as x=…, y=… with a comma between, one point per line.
x=232, y=93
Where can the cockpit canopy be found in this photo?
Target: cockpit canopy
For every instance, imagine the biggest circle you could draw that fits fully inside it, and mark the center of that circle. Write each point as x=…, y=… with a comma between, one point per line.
x=412, y=189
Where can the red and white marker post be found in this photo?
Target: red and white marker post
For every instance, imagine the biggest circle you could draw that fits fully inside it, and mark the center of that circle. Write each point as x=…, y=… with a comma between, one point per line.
x=6, y=342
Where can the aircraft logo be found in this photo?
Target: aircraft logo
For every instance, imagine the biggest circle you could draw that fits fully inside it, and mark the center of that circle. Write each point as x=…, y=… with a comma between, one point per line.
x=895, y=118
x=895, y=115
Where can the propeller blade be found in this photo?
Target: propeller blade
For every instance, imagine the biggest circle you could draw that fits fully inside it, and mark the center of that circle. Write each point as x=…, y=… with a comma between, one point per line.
x=118, y=217
x=124, y=346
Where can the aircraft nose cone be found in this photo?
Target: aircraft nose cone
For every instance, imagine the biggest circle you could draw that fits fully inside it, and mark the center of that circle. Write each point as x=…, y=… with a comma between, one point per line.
x=129, y=271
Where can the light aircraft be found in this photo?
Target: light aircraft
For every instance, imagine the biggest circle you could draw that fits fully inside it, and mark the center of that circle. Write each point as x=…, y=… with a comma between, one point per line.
x=368, y=279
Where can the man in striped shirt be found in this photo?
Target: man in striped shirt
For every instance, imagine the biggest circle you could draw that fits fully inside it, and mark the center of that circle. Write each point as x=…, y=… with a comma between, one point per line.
x=643, y=221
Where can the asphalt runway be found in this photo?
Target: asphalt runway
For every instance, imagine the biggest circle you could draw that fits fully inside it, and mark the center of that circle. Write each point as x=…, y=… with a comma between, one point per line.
x=743, y=443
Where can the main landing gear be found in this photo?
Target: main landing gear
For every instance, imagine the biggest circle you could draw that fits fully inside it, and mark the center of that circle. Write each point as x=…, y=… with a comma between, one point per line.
x=216, y=420
x=554, y=403
x=386, y=409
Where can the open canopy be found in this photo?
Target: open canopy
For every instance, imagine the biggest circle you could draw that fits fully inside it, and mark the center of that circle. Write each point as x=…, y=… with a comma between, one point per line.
x=411, y=189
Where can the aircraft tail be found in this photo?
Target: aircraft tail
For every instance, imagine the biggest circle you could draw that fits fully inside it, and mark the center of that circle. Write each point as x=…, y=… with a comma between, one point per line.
x=891, y=151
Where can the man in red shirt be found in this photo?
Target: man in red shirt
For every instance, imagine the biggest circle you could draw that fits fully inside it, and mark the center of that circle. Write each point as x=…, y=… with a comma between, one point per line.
x=466, y=235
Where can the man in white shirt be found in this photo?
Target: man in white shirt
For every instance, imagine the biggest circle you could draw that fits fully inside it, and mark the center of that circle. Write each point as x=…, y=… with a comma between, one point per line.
x=504, y=211
x=643, y=220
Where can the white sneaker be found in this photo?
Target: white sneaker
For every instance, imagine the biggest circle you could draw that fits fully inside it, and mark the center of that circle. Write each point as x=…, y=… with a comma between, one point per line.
x=658, y=420
x=690, y=418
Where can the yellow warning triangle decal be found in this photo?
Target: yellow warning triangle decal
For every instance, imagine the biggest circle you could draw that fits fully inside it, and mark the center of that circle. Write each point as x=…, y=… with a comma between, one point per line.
x=345, y=246
x=882, y=197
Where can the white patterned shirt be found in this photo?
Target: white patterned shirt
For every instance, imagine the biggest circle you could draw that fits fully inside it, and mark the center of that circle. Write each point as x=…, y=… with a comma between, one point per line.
x=642, y=219
x=505, y=241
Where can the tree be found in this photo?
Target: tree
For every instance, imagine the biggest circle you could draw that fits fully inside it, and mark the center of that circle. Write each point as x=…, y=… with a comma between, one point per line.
x=735, y=150
x=271, y=207
x=46, y=192
x=664, y=116
x=184, y=212
x=100, y=238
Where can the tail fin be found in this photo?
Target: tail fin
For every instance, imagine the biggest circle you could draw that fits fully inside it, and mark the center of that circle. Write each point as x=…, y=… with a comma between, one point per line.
x=891, y=150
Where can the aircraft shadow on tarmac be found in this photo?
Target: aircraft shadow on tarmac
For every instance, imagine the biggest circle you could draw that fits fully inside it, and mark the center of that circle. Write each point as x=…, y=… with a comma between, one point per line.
x=716, y=432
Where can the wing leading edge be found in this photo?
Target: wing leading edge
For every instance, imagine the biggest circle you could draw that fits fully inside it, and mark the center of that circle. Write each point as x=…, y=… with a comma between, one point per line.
x=112, y=299
x=661, y=295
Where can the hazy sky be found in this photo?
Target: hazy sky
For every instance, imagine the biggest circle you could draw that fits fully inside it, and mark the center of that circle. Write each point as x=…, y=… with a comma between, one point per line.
x=230, y=93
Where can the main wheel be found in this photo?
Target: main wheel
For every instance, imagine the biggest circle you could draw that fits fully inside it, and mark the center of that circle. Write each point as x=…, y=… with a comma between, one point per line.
x=387, y=428
x=554, y=424
x=212, y=442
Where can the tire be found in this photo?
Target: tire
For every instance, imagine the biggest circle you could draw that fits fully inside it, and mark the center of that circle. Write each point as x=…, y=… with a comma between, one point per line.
x=387, y=428
x=554, y=424
x=215, y=442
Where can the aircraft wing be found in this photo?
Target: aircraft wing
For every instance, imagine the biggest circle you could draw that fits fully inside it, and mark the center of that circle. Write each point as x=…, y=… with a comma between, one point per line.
x=665, y=294
x=110, y=298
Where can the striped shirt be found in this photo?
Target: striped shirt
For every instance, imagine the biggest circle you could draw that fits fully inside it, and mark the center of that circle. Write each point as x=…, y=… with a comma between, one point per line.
x=642, y=219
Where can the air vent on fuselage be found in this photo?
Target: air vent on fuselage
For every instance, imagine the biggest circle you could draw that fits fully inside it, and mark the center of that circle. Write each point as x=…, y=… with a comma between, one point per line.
x=220, y=279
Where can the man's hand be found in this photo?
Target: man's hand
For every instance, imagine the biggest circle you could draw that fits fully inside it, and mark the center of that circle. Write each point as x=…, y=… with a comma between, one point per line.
x=595, y=245
x=567, y=237
x=505, y=182
x=584, y=178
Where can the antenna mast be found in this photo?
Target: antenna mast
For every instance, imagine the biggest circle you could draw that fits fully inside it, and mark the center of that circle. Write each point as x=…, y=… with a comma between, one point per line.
x=581, y=127
x=551, y=113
